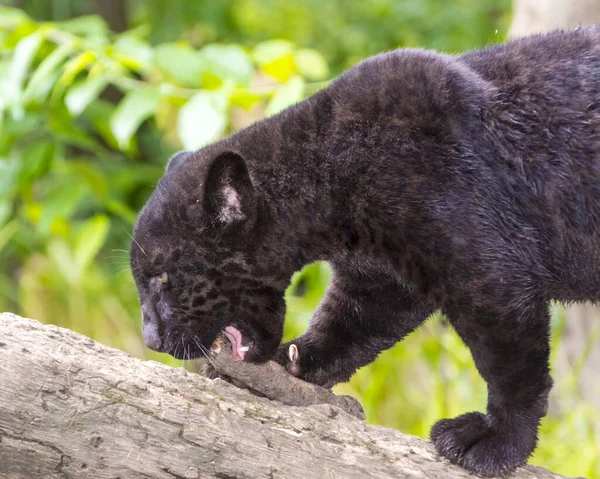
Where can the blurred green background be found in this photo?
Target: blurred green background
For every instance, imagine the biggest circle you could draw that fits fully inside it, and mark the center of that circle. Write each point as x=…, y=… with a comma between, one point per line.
x=96, y=95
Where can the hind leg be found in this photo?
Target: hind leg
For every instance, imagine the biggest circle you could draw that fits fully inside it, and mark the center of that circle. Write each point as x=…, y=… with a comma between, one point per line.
x=511, y=351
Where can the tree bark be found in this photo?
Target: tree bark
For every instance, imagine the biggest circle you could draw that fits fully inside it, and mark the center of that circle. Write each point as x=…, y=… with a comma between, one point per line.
x=538, y=16
x=114, y=12
x=70, y=407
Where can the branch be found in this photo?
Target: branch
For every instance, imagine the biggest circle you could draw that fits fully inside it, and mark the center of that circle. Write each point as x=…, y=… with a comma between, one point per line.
x=272, y=381
x=70, y=407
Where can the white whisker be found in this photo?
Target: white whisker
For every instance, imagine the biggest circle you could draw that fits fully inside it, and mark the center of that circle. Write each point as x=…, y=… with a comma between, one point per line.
x=133, y=239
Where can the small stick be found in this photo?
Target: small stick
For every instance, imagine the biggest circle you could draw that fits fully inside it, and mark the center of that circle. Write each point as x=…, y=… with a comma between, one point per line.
x=271, y=380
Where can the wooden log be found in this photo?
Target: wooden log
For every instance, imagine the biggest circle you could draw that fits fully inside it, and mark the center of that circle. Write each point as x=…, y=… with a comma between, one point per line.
x=70, y=407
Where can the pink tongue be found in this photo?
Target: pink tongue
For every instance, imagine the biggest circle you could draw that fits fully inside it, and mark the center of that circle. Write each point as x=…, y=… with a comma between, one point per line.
x=235, y=338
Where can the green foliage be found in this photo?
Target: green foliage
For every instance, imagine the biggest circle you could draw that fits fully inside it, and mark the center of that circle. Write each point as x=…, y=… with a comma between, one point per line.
x=88, y=119
x=345, y=31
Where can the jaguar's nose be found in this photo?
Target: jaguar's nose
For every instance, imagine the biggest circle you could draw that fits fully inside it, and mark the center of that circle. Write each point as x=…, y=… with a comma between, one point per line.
x=152, y=329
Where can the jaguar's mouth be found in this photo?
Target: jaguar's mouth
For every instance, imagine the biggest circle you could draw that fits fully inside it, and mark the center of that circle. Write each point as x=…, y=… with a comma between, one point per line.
x=238, y=348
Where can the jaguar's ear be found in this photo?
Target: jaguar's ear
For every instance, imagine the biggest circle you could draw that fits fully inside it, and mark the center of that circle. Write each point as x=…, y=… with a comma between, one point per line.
x=229, y=196
x=177, y=159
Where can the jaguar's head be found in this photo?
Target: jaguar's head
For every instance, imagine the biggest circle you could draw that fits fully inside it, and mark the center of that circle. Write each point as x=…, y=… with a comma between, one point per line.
x=198, y=263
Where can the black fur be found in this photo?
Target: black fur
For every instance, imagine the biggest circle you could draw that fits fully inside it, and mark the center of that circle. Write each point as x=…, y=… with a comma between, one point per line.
x=469, y=184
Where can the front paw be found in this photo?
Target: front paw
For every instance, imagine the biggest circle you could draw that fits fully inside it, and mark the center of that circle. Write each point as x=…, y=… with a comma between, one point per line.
x=482, y=445
x=307, y=364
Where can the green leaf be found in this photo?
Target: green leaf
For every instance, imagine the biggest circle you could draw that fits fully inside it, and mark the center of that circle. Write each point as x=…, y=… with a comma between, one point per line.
x=139, y=32
x=244, y=98
x=21, y=61
x=288, y=94
x=311, y=64
x=87, y=26
x=4, y=98
x=60, y=203
x=36, y=88
x=75, y=66
x=136, y=107
x=66, y=130
x=10, y=17
x=9, y=174
x=84, y=92
x=61, y=255
x=98, y=113
x=7, y=232
x=91, y=175
x=35, y=161
x=5, y=210
x=276, y=59
x=90, y=239
x=133, y=53
x=227, y=62
x=17, y=173
x=271, y=50
x=181, y=63
x=121, y=209
x=202, y=119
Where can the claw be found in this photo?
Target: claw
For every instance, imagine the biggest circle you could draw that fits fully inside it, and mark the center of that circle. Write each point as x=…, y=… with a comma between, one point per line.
x=293, y=353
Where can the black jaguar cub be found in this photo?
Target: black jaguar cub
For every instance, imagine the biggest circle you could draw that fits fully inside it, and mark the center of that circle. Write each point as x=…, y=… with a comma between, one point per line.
x=467, y=183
